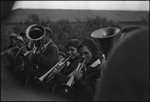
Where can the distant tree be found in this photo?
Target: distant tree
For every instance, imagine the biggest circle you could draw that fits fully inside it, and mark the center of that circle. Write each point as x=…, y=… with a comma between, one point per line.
x=145, y=20
x=32, y=18
x=64, y=30
x=21, y=27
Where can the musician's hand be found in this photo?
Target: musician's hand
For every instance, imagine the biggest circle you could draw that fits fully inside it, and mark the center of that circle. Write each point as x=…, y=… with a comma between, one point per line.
x=61, y=65
x=55, y=71
x=10, y=53
x=37, y=52
x=78, y=75
x=67, y=63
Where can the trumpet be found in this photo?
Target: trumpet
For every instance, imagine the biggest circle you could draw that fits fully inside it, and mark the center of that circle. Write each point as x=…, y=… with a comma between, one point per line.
x=30, y=52
x=66, y=88
x=50, y=72
x=8, y=50
x=20, y=49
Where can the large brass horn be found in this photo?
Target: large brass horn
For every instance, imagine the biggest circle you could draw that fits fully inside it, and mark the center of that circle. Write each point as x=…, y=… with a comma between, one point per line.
x=35, y=32
x=106, y=37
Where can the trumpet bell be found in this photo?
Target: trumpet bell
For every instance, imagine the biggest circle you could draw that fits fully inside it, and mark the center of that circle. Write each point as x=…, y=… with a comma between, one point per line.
x=64, y=91
x=37, y=83
x=35, y=32
x=105, y=36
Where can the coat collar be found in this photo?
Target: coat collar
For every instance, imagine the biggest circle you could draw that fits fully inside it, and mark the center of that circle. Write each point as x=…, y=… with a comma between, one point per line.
x=94, y=64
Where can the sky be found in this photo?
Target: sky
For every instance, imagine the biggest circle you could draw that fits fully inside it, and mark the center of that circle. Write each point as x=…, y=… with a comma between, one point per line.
x=93, y=5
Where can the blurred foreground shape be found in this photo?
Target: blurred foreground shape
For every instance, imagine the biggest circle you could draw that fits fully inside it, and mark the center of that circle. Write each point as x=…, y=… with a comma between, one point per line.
x=126, y=77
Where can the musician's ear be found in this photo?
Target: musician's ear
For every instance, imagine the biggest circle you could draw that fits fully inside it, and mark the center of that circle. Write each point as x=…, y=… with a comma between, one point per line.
x=98, y=54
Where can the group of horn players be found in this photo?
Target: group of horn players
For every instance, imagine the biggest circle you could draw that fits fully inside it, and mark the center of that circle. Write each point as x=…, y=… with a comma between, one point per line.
x=38, y=63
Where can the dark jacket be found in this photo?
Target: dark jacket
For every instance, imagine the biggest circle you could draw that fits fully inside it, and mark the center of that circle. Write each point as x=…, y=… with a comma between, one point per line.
x=84, y=89
x=63, y=76
x=13, y=59
x=46, y=60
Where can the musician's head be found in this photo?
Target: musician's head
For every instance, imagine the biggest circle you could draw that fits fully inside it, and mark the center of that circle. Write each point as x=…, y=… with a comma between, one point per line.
x=46, y=38
x=49, y=32
x=62, y=55
x=23, y=35
x=20, y=41
x=72, y=47
x=43, y=41
x=13, y=37
x=89, y=50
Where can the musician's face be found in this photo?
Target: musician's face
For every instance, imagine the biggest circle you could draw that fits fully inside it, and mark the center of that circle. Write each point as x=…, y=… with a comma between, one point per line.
x=13, y=40
x=72, y=50
x=86, y=53
x=61, y=57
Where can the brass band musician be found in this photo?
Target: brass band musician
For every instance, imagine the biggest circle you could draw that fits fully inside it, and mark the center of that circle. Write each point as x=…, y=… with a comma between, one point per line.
x=85, y=80
x=71, y=64
x=84, y=85
x=61, y=74
x=15, y=44
x=45, y=55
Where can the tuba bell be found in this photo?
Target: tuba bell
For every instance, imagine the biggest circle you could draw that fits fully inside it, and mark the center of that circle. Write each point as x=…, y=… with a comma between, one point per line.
x=35, y=32
x=106, y=37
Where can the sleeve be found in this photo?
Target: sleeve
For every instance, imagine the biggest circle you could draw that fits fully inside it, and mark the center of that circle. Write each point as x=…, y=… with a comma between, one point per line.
x=61, y=78
x=86, y=86
x=49, y=58
x=68, y=69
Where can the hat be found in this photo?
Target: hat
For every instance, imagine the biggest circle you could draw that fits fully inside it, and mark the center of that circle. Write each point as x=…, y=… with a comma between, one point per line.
x=13, y=35
x=91, y=44
x=19, y=38
x=62, y=54
x=49, y=32
x=73, y=42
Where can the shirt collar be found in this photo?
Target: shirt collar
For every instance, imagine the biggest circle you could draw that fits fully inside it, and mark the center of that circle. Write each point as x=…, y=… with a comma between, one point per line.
x=94, y=64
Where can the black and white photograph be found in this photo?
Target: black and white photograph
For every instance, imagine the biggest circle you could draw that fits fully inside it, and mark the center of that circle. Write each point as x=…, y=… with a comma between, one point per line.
x=75, y=50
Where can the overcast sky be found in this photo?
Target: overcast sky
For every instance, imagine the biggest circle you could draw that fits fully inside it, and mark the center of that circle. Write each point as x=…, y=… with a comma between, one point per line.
x=96, y=5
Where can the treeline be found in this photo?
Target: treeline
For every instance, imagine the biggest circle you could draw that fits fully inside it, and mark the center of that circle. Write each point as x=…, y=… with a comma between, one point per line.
x=63, y=30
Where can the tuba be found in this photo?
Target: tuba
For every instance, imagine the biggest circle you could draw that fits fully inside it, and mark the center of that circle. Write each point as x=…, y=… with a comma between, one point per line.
x=35, y=32
x=106, y=37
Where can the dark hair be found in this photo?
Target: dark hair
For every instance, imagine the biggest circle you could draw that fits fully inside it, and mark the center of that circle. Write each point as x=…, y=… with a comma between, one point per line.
x=13, y=36
x=49, y=32
x=62, y=54
x=92, y=46
x=73, y=42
